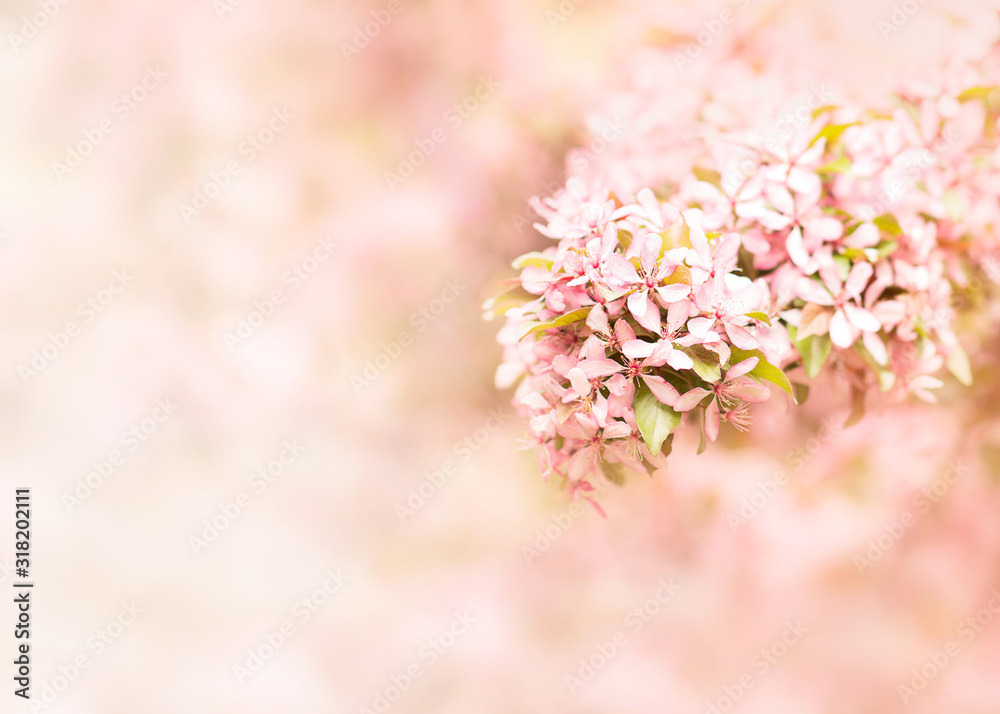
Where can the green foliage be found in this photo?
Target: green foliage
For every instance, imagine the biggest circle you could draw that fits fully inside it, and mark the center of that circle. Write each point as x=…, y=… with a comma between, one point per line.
x=764, y=369
x=569, y=318
x=814, y=351
x=655, y=419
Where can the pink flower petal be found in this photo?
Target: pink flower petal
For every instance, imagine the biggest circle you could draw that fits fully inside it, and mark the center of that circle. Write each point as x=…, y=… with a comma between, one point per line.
x=661, y=389
x=741, y=368
x=690, y=399
x=679, y=360
x=700, y=326
x=637, y=304
x=802, y=181
x=797, y=251
x=624, y=331
x=781, y=199
x=811, y=291
x=741, y=337
x=873, y=343
x=746, y=299
x=616, y=430
x=858, y=278
x=748, y=390
x=650, y=319
x=774, y=221
x=862, y=319
x=824, y=228
x=600, y=409
x=620, y=269
x=864, y=236
x=727, y=248
x=829, y=273
x=650, y=252
x=593, y=368
x=597, y=320
x=755, y=242
x=699, y=242
x=841, y=332
x=617, y=384
x=638, y=349
x=712, y=420
x=562, y=364
x=674, y=292
x=658, y=357
x=677, y=313
x=609, y=242
x=579, y=381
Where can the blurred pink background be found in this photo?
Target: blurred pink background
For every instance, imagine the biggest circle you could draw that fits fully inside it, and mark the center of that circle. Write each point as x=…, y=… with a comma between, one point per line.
x=313, y=498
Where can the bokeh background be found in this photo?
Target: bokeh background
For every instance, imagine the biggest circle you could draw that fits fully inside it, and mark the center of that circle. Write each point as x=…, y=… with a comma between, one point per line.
x=313, y=498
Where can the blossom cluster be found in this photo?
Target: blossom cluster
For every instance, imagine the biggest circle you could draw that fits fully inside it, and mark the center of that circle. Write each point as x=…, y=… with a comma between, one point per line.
x=837, y=249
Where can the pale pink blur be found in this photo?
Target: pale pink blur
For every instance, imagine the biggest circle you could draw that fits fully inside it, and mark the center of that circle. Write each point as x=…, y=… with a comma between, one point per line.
x=482, y=542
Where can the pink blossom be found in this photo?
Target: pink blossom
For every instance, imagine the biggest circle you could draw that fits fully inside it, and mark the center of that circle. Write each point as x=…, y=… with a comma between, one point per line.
x=728, y=397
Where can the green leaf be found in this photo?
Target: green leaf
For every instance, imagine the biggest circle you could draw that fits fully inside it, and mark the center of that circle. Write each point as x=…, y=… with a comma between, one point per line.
x=757, y=315
x=958, y=364
x=536, y=259
x=814, y=350
x=990, y=454
x=708, y=176
x=668, y=446
x=703, y=442
x=615, y=472
x=886, y=248
x=813, y=320
x=887, y=223
x=624, y=238
x=843, y=264
x=764, y=369
x=953, y=204
x=857, y=406
x=706, y=362
x=837, y=166
x=655, y=419
x=823, y=110
x=832, y=132
x=801, y=392
x=501, y=304
x=569, y=318
x=976, y=93
x=886, y=377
